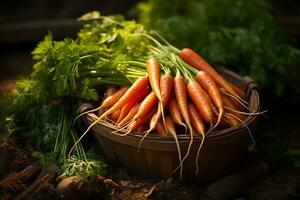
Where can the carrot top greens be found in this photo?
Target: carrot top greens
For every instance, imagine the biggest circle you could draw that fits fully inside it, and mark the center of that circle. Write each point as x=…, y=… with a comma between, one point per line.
x=106, y=51
x=240, y=34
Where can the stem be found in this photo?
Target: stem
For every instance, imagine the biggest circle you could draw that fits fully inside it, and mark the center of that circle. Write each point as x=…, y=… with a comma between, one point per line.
x=176, y=50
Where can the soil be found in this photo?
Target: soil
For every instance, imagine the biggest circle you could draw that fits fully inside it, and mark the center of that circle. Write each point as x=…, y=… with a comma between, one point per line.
x=18, y=157
x=283, y=184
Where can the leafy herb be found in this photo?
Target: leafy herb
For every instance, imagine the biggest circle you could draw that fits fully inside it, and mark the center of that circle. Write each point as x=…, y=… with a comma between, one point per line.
x=70, y=71
x=240, y=34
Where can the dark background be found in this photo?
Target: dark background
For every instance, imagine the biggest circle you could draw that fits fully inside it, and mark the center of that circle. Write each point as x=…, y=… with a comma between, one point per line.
x=24, y=22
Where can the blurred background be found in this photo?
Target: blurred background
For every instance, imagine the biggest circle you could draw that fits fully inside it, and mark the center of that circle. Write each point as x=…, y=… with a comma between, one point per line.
x=24, y=22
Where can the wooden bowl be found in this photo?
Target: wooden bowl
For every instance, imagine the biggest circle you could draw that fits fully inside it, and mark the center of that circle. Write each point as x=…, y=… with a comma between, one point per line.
x=158, y=155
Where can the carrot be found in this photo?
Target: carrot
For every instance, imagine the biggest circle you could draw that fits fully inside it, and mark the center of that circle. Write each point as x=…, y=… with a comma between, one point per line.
x=230, y=107
x=130, y=115
x=181, y=97
x=166, y=86
x=133, y=91
x=231, y=120
x=110, y=91
x=107, y=102
x=199, y=127
x=125, y=110
x=111, y=100
x=171, y=130
x=153, y=69
x=154, y=120
x=238, y=106
x=210, y=86
x=142, y=120
x=114, y=117
x=235, y=101
x=196, y=61
x=213, y=107
x=147, y=104
x=239, y=91
x=160, y=129
x=142, y=128
x=174, y=111
x=136, y=88
x=196, y=93
x=196, y=120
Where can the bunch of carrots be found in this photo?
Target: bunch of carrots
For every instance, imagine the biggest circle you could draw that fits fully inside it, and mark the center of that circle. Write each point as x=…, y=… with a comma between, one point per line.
x=179, y=89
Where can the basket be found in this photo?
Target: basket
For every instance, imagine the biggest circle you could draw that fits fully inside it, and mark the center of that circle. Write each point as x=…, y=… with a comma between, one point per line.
x=158, y=155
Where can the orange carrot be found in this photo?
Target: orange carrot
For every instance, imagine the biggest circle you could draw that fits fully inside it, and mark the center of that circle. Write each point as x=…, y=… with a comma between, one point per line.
x=142, y=128
x=110, y=91
x=196, y=119
x=223, y=123
x=171, y=130
x=147, y=104
x=239, y=91
x=200, y=101
x=153, y=69
x=231, y=102
x=199, y=126
x=210, y=86
x=114, y=117
x=142, y=120
x=111, y=100
x=125, y=110
x=130, y=115
x=154, y=120
x=230, y=108
x=230, y=120
x=213, y=107
x=181, y=97
x=174, y=110
x=136, y=88
x=160, y=129
x=196, y=61
x=166, y=88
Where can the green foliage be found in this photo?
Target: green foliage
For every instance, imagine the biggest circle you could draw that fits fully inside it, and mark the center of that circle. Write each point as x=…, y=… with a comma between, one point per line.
x=44, y=159
x=294, y=155
x=240, y=34
x=84, y=168
x=69, y=71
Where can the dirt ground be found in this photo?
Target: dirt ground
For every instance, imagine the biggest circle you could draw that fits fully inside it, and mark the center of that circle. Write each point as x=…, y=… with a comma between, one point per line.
x=263, y=183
